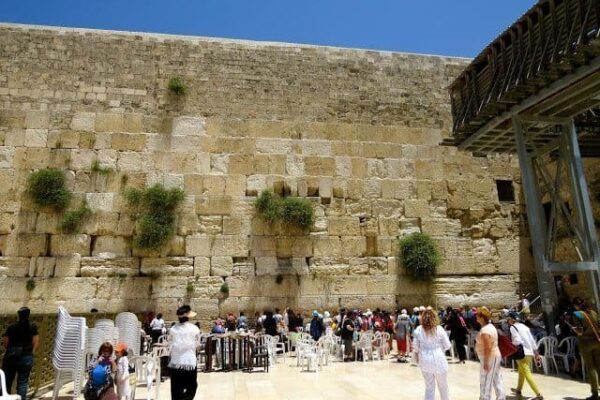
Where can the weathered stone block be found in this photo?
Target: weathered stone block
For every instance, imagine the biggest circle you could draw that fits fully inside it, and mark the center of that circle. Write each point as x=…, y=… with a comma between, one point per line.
x=213, y=205
x=109, y=122
x=66, y=245
x=234, y=246
x=42, y=267
x=36, y=119
x=188, y=126
x=197, y=245
x=167, y=266
x=416, y=209
x=201, y=266
x=100, y=201
x=108, y=266
x=14, y=266
x=68, y=266
x=338, y=226
x=111, y=247
x=36, y=137
x=221, y=266
x=83, y=121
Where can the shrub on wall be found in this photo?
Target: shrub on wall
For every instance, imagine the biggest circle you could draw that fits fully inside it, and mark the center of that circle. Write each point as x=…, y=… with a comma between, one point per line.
x=176, y=85
x=73, y=219
x=47, y=188
x=294, y=211
x=156, y=220
x=420, y=255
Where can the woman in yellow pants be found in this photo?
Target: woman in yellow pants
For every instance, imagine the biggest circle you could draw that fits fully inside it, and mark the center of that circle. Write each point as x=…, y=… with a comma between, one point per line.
x=521, y=336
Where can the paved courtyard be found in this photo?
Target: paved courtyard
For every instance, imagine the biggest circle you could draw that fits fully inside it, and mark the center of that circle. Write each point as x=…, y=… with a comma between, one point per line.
x=370, y=380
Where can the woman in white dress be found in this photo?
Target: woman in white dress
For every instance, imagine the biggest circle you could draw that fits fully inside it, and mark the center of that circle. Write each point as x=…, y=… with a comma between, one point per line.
x=488, y=352
x=430, y=345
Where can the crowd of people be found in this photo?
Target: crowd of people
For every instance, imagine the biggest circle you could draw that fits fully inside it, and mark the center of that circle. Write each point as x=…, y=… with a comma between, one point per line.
x=423, y=336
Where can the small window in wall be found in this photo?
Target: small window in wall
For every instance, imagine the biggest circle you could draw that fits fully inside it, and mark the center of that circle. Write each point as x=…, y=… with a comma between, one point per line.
x=506, y=192
x=573, y=279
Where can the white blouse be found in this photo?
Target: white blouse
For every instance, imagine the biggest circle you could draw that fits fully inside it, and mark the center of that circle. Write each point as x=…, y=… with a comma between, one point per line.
x=431, y=350
x=183, y=339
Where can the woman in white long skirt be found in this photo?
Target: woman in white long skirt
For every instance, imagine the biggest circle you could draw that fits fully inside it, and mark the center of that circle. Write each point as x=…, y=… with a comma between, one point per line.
x=430, y=345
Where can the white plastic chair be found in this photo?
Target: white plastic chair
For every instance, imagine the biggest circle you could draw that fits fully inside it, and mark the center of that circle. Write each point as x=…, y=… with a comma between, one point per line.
x=5, y=395
x=570, y=344
x=147, y=370
x=364, y=344
x=549, y=344
x=69, y=352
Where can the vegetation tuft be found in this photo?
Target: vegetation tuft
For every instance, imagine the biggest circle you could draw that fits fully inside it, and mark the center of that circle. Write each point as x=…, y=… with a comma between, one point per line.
x=294, y=211
x=72, y=220
x=48, y=188
x=100, y=169
x=30, y=285
x=176, y=85
x=224, y=288
x=156, y=219
x=420, y=255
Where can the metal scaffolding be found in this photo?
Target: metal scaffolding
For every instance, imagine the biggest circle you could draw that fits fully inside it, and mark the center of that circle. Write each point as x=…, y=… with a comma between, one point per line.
x=569, y=213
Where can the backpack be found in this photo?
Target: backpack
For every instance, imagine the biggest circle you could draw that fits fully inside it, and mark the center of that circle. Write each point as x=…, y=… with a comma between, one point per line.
x=99, y=375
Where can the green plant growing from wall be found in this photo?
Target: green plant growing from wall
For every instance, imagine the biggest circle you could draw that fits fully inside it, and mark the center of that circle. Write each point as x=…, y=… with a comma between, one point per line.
x=30, y=285
x=47, y=188
x=177, y=86
x=98, y=168
x=420, y=255
x=72, y=220
x=189, y=288
x=156, y=208
x=224, y=288
x=293, y=211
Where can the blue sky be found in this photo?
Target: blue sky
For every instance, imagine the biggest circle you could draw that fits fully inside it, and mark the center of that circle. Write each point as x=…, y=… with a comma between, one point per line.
x=445, y=27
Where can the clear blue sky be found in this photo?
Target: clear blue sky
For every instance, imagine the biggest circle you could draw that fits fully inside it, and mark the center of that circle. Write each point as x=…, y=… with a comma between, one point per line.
x=445, y=27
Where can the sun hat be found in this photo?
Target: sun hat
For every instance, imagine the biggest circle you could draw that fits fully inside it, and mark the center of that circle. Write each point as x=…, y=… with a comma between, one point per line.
x=121, y=347
x=403, y=312
x=185, y=311
x=315, y=313
x=326, y=314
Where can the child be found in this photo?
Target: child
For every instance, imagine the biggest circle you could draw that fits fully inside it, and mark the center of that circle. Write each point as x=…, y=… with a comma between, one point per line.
x=122, y=378
x=100, y=385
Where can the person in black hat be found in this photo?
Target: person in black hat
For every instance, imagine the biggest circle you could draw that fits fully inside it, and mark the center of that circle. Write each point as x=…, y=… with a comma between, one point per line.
x=183, y=338
x=21, y=340
x=521, y=336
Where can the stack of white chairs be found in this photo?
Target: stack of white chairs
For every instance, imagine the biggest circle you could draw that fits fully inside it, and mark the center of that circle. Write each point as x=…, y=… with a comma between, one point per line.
x=110, y=333
x=129, y=331
x=69, y=352
x=93, y=339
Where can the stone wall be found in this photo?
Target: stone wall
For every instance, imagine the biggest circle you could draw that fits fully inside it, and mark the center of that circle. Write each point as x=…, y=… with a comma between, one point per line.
x=357, y=132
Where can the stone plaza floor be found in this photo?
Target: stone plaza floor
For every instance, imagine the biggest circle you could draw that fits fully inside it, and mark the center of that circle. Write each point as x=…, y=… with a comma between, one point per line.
x=357, y=380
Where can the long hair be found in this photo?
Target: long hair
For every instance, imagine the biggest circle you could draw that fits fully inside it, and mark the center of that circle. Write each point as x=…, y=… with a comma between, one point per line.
x=105, y=346
x=429, y=321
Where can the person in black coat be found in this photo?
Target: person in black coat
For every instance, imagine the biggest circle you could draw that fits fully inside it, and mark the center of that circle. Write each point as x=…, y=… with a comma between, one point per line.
x=269, y=324
x=458, y=333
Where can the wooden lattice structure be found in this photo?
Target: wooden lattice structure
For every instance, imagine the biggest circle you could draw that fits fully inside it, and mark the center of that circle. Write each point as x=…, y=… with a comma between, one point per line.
x=545, y=64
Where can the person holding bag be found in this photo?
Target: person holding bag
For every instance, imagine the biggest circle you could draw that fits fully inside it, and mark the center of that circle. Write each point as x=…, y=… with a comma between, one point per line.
x=588, y=340
x=526, y=349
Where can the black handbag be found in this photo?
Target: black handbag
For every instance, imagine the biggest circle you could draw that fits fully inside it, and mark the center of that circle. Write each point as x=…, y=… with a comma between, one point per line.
x=519, y=354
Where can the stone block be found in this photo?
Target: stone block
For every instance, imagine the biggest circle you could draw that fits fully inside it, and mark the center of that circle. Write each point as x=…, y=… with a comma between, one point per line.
x=338, y=226
x=66, y=245
x=188, y=126
x=353, y=246
x=109, y=267
x=255, y=184
x=319, y=166
x=83, y=121
x=27, y=245
x=42, y=267
x=197, y=245
x=221, y=266
x=132, y=122
x=68, y=266
x=213, y=205
x=327, y=246
x=111, y=247
x=14, y=266
x=201, y=266
x=35, y=119
x=128, y=141
x=167, y=266
x=416, y=209
x=7, y=154
x=109, y=122
x=36, y=137
x=233, y=246
x=100, y=201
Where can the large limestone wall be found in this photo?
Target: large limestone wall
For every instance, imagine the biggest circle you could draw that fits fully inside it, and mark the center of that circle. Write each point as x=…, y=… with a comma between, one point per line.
x=357, y=132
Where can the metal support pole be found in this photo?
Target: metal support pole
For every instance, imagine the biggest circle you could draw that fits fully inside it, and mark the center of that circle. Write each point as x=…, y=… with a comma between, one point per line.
x=581, y=200
x=537, y=225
